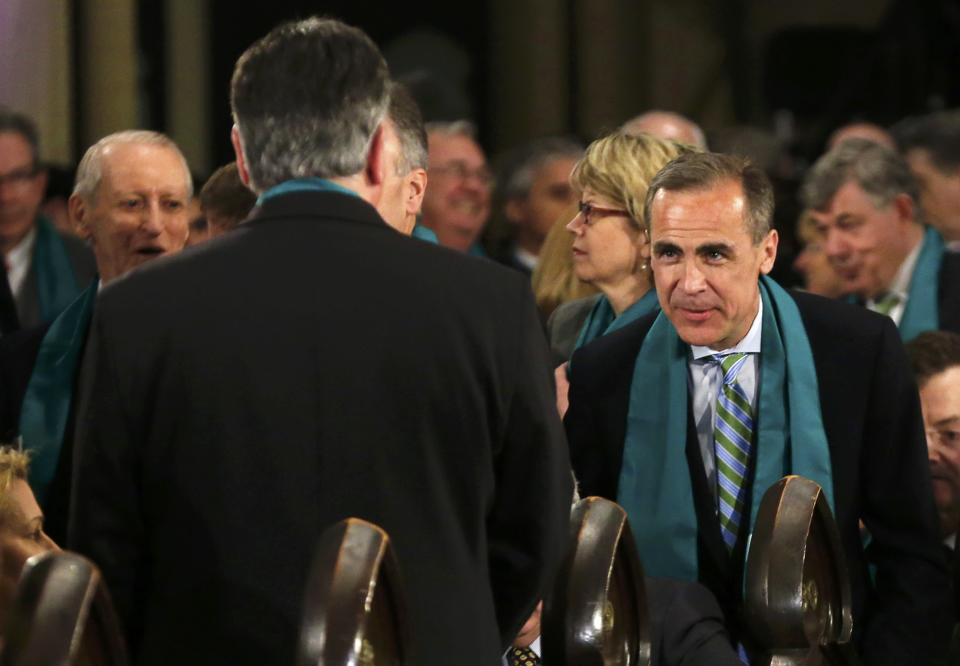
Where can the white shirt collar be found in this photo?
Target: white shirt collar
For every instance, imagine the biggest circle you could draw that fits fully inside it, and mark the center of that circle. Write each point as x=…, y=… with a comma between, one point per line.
x=18, y=260
x=749, y=345
x=524, y=258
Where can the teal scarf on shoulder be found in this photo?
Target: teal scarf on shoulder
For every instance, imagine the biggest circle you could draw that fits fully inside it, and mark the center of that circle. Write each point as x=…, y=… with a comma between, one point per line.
x=602, y=319
x=922, y=310
x=425, y=234
x=655, y=487
x=303, y=185
x=56, y=283
x=46, y=404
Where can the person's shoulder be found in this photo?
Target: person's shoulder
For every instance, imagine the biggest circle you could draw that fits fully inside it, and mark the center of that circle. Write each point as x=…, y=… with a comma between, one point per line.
x=837, y=317
x=572, y=310
x=613, y=353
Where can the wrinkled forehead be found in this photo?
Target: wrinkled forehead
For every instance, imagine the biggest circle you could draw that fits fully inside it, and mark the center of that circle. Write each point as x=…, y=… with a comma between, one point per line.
x=447, y=147
x=144, y=166
x=718, y=210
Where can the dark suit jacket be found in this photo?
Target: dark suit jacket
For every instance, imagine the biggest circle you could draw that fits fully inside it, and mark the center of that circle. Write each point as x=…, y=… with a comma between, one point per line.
x=687, y=627
x=18, y=355
x=84, y=269
x=311, y=365
x=949, y=292
x=871, y=415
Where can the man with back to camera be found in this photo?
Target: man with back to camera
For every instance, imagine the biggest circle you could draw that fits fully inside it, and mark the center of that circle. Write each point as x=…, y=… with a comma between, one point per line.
x=864, y=203
x=131, y=204
x=758, y=382
x=356, y=372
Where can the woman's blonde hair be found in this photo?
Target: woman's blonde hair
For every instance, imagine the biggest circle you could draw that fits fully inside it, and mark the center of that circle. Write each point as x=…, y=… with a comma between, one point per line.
x=620, y=166
x=554, y=281
x=13, y=466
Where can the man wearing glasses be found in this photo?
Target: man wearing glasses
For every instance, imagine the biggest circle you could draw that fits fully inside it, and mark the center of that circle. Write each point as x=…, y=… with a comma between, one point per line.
x=457, y=203
x=45, y=270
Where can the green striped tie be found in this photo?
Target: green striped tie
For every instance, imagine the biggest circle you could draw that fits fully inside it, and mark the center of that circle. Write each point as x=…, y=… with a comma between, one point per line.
x=886, y=304
x=733, y=434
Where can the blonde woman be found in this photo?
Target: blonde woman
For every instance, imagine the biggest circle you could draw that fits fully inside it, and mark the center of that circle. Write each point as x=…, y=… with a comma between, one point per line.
x=609, y=243
x=554, y=282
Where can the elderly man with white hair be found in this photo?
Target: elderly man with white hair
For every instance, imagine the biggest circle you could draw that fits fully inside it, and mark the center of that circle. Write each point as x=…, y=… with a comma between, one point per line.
x=130, y=204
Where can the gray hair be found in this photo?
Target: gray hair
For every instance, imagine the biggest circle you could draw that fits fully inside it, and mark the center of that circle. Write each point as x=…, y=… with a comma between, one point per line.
x=406, y=118
x=520, y=169
x=700, y=171
x=90, y=170
x=452, y=128
x=307, y=100
x=880, y=172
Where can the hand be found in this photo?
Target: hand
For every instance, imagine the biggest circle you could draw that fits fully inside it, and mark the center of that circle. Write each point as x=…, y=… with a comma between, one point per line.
x=563, y=387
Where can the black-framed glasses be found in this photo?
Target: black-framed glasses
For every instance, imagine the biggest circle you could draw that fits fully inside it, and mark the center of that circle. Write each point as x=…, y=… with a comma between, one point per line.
x=591, y=213
x=461, y=171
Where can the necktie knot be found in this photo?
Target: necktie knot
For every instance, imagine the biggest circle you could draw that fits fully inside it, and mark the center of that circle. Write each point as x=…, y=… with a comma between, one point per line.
x=730, y=364
x=887, y=303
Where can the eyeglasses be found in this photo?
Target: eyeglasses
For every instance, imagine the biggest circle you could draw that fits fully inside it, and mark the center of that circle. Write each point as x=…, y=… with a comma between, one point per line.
x=18, y=178
x=461, y=171
x=591, y=213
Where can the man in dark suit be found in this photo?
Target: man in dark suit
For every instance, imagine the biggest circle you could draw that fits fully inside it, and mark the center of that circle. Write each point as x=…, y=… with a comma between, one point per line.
x=130, y=203
x=46, y=270
x=760, y=383
x=315, y=364
x=865, y=204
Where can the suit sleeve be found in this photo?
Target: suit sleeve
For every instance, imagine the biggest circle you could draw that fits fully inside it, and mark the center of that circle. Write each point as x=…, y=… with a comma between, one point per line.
x=687, y=625
x=105, y=520
x=910, y=618
x=528, y=522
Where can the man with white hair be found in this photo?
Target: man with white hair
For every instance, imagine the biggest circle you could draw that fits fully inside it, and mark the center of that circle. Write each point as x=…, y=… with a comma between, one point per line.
x=130, y=204
x=667, y=125
x=310, y=366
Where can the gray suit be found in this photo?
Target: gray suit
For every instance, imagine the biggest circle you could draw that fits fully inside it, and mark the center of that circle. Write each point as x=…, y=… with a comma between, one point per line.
x=564, y=325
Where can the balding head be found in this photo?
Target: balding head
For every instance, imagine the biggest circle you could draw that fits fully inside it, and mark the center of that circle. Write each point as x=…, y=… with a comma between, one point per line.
x=866, y=131
x=667, y=125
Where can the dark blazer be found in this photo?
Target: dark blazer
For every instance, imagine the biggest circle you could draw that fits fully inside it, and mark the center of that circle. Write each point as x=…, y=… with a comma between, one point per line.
x=84, y=269
x=18, y=355
x=687, y=627
x=871, y=415
x=311, y=365
x=949, y=292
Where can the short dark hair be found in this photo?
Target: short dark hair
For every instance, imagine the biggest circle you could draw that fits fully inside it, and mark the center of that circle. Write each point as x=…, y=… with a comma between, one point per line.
x=700, y=171
x=933, y=352
x=411, y=132
x=518, y=169
x=936, y=133
x=19, y=123
x=224, y=194
x=307, y=99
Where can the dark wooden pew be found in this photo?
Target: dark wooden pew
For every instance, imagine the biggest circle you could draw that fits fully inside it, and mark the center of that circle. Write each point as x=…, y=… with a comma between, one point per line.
x=797, y=592
x=62, y=615
x=597, y=612
x=354, y=608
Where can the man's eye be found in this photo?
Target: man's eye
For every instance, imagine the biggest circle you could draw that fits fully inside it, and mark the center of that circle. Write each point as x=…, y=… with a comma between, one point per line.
x=174, y=205
x=130, y=203
x=951, y=437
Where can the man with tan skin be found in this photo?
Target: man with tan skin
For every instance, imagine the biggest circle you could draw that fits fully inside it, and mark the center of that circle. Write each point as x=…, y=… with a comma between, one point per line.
x=457, y=204
x=668, y=125
x=863, y=200
x=45, y=269
x=131, y=204
x=758, y=382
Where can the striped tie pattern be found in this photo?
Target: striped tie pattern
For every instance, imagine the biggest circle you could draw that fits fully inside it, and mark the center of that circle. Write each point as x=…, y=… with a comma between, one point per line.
x=733, y=434
x=886, y=304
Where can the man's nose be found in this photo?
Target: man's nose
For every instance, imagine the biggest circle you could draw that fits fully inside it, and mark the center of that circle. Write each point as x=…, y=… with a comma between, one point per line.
x=693, y=279
x=152, y=220
x=835, y=245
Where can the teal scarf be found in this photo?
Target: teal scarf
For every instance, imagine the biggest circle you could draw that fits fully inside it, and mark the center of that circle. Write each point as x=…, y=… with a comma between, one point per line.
x=425, y=234
x=602, y=319
x=303, y=185
x=56, y=283
x=922, y=310
x=655, y=487
x=46, y=404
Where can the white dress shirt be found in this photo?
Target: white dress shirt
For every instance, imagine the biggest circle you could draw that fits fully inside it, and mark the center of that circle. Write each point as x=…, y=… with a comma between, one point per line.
x=706, y=381
x=900, y=286
x=18, y=262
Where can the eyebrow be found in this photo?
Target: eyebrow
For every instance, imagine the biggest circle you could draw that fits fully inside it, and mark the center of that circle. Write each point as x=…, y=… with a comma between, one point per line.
x=950, y=420
x=661, y=246
x=710, y=248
